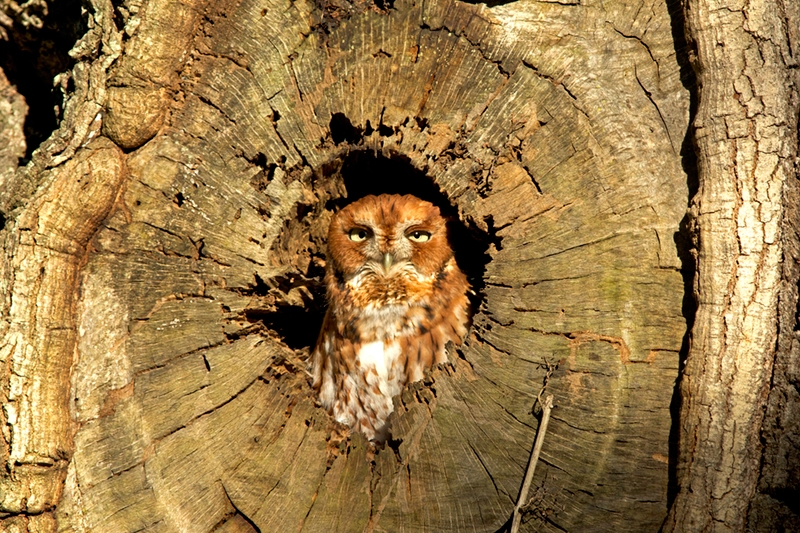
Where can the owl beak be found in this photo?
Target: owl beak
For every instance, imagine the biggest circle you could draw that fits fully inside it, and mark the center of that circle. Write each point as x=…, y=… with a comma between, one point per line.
x=387, y=262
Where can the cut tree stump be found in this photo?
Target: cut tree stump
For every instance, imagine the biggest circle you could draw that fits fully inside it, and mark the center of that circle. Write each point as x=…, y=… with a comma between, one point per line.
x=163, y=277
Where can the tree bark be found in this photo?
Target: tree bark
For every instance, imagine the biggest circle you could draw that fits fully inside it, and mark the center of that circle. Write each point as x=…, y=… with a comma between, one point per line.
x=745, y=133
x=163, y=251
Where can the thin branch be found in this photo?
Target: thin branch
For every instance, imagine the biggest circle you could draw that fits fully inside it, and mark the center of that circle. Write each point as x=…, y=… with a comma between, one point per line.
x=547, y=406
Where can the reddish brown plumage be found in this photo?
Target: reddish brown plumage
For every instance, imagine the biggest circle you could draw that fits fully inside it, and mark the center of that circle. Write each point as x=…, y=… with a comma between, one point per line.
x=388, y=318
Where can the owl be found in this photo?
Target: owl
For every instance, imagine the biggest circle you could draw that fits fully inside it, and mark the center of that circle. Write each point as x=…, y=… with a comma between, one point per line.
x=395, y=298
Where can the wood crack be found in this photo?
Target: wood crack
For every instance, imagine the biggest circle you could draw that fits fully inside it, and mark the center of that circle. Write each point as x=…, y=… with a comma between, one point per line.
x=561, y=85
x=475, y=46
x=655, y=105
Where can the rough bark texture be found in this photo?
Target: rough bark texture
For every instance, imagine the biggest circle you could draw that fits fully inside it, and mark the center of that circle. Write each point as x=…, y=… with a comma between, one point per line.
x=745, y=219
x=12, y=140
x=776, y=505
x=163, y=256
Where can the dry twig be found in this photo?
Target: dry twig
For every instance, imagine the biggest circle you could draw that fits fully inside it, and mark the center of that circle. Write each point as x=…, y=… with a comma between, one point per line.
x=547, y=406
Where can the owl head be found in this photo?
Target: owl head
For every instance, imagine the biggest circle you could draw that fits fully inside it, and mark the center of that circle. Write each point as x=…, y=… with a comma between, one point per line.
x=388, y=235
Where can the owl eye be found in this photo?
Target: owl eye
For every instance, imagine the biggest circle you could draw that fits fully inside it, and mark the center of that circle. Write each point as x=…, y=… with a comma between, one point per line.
x=419, y=236
x=358, y=234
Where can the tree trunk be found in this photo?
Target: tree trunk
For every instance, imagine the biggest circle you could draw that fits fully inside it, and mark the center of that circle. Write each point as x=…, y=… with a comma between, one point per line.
x=745, y=215
x=163, y=253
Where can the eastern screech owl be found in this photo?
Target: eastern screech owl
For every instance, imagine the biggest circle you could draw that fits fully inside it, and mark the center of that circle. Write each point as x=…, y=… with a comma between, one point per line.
x=395, y=298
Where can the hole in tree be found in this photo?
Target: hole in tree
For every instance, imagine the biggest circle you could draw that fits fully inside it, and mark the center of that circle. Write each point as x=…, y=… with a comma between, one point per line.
x=293, y=305
x=342, y=130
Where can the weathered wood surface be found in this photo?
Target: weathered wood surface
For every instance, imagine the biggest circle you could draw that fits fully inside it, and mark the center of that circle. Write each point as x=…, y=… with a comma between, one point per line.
x=554, y=130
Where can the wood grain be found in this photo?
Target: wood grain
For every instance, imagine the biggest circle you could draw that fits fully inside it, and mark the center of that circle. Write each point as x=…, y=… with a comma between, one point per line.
x=552, y=131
